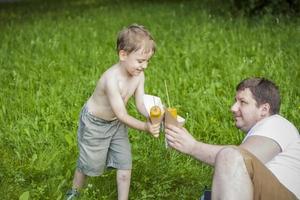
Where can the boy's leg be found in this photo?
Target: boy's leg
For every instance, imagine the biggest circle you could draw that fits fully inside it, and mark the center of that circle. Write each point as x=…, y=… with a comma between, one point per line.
x=123, y=182
x=79, y=180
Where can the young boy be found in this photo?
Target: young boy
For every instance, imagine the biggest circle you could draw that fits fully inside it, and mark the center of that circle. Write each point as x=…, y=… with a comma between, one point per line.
x=102, y=133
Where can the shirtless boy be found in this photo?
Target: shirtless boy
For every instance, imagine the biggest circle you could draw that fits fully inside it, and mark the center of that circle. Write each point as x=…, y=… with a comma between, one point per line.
x=102, y=134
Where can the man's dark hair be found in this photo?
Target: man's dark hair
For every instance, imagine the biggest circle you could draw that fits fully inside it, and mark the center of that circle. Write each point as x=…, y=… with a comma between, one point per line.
x=263, y=91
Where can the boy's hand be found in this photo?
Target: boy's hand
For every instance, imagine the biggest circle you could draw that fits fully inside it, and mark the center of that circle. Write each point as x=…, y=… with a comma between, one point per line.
x=153, y=128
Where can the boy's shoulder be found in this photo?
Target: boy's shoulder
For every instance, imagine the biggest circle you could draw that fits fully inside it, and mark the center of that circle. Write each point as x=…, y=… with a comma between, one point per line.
x=110, y=73
x=111, y=69
x=115, y=76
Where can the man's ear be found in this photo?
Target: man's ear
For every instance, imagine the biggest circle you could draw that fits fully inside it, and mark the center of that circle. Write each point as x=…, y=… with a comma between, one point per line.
x=122, y=55
x=265, y=109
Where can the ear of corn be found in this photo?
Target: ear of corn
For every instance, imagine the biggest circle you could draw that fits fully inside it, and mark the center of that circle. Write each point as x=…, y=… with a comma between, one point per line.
x=173, y=112
x=155, y=112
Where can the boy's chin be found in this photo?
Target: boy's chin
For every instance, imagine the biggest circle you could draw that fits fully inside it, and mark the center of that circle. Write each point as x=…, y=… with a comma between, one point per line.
x=136, y=73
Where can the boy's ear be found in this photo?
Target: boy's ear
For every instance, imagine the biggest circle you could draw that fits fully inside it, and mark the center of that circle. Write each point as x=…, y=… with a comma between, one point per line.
x=122, y=55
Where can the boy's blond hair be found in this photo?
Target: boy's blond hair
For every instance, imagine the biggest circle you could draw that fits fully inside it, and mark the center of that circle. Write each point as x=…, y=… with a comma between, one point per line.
x=135, y=37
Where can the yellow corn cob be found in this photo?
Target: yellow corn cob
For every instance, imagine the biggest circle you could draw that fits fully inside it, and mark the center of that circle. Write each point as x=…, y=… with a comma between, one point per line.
x=173, y=112
x=155, y=112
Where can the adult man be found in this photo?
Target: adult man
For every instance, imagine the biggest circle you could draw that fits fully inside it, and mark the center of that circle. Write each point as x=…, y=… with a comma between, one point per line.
x=267, y=163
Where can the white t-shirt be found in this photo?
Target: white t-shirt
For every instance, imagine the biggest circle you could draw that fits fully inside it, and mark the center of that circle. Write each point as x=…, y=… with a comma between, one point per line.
x=286, y=165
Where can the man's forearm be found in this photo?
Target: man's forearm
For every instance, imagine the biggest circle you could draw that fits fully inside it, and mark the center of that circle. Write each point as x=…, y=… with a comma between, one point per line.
x=206, y=152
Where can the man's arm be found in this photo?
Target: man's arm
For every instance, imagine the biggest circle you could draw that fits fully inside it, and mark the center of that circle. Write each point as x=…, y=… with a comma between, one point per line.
x=139, y=97
x=263, y=148
x=181, y=140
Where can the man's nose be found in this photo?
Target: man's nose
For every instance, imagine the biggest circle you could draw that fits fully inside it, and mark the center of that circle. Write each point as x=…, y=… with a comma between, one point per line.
x=234, y=107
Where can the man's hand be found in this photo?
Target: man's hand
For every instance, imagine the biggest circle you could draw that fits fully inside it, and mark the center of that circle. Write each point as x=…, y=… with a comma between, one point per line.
x=153, y=128
x=180, y=139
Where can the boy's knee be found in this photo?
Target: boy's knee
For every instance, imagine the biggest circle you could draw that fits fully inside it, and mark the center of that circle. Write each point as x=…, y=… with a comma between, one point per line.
x=124, y=175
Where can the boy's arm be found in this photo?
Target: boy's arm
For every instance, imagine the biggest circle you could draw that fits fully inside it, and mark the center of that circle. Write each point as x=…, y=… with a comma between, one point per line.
x=117, y=104
x=139, y=97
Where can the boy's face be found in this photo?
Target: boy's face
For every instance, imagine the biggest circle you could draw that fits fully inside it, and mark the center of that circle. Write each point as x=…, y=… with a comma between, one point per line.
x=135, y=62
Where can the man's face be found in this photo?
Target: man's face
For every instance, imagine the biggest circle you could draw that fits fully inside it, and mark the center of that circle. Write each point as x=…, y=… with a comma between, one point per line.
x=245, y=110
x=136, y=61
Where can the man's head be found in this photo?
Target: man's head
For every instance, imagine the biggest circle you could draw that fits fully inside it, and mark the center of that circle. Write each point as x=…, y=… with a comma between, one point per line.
x=135, y=47
x=256, y=98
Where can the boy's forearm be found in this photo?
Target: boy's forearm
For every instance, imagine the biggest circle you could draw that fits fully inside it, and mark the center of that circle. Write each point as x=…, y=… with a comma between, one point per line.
x=133, y=122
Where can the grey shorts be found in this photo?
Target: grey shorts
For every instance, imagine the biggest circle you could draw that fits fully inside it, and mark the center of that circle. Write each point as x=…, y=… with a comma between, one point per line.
x=102, y=144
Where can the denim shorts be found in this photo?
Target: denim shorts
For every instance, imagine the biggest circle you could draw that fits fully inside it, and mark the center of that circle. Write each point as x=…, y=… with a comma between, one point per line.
x=102, y=144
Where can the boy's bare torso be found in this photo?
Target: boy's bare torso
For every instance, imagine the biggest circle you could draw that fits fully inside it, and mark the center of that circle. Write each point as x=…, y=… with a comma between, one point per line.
x=98, y=104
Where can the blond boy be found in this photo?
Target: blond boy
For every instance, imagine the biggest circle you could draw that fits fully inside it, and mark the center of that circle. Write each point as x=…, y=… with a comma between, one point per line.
x=102, y=134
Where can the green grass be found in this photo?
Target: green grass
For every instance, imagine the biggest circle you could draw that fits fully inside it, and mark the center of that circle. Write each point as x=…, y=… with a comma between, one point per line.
x=52, y=53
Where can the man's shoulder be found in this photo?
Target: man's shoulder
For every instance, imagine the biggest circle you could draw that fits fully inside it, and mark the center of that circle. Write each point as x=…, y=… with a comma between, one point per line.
x=275, y=123
x=273, y=119
x=278, y=120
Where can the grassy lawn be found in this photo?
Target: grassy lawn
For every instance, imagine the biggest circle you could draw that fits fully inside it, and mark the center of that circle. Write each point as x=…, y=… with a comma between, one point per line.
x=52, y=53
